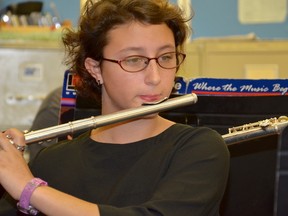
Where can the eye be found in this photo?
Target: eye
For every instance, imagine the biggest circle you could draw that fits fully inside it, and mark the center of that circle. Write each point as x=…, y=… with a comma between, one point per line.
x=134, y=60
x=167, y=57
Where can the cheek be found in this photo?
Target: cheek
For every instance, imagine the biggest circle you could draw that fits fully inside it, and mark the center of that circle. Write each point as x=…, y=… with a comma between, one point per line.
x=169, y=80
x=117, y=82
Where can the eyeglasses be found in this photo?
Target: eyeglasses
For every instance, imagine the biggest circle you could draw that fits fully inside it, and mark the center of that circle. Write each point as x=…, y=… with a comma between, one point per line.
x=138, y=63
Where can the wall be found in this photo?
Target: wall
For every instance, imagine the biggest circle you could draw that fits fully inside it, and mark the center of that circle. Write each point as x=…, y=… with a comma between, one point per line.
x=213, y=18
x=220, y=18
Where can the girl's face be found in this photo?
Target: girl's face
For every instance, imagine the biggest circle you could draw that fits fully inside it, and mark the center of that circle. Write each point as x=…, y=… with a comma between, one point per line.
x=122, y=89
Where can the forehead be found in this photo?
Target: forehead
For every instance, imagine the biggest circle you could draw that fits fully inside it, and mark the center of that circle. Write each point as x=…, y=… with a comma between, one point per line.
x=142, y=36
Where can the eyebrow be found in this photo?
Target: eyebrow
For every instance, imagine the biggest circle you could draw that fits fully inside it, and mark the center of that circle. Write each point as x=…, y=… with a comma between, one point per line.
x=142, y=49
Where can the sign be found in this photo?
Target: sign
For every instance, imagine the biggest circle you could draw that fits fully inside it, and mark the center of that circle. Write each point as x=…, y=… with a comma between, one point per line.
x=233, y=87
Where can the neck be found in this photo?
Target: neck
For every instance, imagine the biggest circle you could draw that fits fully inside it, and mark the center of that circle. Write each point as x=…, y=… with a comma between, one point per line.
x=132, y=130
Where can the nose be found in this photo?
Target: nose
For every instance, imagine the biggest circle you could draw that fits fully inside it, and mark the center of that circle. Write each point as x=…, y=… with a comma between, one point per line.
x=152, y=73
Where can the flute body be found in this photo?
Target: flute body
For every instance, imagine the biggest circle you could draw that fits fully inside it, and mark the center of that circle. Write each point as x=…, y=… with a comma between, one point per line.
x=234, y=135
x=255, y=130
x=102, y=120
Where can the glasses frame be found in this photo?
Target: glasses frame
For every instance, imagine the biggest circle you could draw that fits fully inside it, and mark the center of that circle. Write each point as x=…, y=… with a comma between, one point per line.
x=119, y=62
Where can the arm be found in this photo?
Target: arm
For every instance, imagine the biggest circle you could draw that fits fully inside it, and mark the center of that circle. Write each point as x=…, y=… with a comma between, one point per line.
x=15, y=174
x=58, y=203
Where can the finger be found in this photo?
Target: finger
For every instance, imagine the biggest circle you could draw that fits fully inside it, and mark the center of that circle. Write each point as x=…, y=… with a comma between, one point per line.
x=4, y=142
x=15, y=138
x=16, y=135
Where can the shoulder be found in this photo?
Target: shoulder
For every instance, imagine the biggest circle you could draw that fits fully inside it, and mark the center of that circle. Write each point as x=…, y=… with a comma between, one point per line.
x=60, y=150
x=198, y=134
x=197, y=140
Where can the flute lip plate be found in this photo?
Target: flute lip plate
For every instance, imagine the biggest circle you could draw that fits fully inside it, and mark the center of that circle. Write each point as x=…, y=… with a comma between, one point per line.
x=155, y=102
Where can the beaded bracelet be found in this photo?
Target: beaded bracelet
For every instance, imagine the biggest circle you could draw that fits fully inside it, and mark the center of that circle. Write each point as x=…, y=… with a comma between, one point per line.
x=24, y=203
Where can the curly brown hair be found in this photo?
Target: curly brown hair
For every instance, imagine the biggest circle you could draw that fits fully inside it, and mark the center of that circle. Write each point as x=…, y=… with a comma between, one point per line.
x=101, y=16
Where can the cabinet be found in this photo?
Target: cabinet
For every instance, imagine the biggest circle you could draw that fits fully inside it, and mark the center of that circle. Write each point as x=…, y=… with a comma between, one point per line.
x=29, y=71
x=259, y=59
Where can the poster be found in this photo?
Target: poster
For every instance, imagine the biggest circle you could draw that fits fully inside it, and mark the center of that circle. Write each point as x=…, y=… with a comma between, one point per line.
x=262, y=11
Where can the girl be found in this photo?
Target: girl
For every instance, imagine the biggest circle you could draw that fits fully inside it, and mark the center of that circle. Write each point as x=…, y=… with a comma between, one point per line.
x=125, y=52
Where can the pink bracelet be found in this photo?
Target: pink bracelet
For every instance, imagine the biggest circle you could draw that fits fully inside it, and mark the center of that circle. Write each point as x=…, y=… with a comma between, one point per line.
x=24, y=203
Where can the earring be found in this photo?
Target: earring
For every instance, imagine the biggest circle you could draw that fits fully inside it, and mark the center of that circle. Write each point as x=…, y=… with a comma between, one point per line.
x=99, y=82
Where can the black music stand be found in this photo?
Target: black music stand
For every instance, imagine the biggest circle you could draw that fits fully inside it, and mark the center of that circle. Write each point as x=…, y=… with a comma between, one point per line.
x=251, y=184
x=281, y=183
x=258, y=180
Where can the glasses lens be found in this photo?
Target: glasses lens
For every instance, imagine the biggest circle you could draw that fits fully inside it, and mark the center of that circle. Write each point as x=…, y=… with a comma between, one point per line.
x=171, y=60
x=134, y=63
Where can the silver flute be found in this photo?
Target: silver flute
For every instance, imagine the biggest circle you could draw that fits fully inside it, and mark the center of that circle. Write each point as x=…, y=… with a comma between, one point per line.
x=102, y=120
x=255, y=130
x=235, y=134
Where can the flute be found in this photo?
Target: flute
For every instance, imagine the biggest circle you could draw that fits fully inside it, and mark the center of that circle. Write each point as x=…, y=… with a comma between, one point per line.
x=255, y=130
x=102, y=120
x=235, y=135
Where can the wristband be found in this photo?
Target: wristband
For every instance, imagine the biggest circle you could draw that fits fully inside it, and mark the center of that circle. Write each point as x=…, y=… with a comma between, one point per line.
x=24, y=203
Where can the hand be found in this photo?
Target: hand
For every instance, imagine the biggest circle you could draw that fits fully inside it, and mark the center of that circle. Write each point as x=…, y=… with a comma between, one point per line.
x=14, y=171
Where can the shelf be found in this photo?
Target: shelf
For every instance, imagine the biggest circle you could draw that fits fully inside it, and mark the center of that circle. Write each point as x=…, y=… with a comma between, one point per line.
x=30, y=33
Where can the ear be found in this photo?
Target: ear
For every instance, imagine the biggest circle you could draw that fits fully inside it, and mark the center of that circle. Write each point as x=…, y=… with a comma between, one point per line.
x=93, y=67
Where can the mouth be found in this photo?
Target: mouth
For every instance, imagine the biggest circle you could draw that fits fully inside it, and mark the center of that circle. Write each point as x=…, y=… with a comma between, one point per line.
x=153, y=102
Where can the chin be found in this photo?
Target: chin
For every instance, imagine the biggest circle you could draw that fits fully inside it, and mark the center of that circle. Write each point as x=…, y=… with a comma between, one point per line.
x=151, y=116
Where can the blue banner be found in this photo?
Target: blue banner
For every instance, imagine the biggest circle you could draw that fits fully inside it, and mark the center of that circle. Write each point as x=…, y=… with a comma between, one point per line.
x=232, y=87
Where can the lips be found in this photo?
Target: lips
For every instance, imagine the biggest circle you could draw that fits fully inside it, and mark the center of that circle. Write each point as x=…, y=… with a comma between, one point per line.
x=150, y=98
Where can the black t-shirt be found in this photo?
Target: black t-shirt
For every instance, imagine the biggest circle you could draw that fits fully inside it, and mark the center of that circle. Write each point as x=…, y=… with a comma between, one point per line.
x=182, y=171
